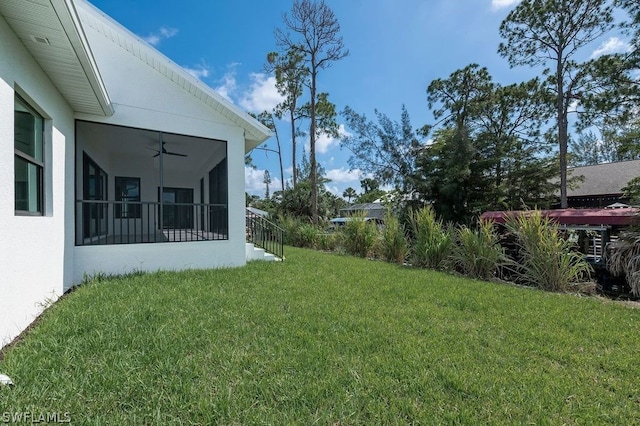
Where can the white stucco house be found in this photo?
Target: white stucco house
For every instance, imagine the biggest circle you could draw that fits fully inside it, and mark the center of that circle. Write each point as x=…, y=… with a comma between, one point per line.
x=114, y=159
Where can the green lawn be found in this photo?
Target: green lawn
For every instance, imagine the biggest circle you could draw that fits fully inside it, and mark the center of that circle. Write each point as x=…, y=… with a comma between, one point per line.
x=326, y=339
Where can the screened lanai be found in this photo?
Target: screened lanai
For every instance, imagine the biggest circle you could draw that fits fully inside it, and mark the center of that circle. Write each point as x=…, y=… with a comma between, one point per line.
x=146, y=186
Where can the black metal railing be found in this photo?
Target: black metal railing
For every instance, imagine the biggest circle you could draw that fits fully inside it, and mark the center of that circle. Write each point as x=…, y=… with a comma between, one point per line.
x=134, y=222
x=265, y=234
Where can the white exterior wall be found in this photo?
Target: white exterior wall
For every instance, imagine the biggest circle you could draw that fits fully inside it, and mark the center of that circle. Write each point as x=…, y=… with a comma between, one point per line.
x=36, y=252
x=145, y=99
x=38, y=256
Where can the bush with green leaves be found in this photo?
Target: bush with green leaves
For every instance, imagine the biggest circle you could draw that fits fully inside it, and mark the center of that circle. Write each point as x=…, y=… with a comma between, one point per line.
x=298, y=232
x=290, y=226
x=431, y=239
x=477, y=253
x=394, y=246
x=328, y=241
x=360, y=236
x=306, y=236
x=546, y=259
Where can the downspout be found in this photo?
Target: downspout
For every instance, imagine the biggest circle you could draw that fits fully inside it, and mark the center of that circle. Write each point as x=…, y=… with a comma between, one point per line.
x=161, y=195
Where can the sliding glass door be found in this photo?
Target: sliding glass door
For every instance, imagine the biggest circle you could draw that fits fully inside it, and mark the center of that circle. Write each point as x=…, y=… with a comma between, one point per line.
x=177, y=216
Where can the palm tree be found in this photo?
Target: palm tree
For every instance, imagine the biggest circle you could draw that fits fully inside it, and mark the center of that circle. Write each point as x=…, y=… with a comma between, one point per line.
x=349, y=193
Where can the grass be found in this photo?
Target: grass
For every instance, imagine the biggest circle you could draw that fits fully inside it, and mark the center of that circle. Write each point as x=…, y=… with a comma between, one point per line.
x=326, y=339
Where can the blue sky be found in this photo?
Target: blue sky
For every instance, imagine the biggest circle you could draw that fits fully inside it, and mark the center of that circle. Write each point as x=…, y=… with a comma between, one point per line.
x=396, y=49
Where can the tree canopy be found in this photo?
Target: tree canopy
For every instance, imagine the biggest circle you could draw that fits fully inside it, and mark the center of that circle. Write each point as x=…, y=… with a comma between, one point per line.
x=313, y=32
x=551, y=33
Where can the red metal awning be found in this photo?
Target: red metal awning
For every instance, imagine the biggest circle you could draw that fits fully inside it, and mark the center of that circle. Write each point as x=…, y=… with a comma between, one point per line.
x=610, y=217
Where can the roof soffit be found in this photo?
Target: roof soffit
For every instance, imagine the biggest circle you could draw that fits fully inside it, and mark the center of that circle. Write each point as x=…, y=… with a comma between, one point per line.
x=50, y=30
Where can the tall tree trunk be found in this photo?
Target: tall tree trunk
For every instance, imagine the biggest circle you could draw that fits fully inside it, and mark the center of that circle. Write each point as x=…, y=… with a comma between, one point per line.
x=562, y=133
x=312, y=160
x=293, y=146
x=275, y=129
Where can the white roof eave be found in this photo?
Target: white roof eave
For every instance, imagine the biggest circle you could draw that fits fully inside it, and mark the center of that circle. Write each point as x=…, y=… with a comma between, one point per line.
x=68, y=15
x=68, y=63
x=255, y=132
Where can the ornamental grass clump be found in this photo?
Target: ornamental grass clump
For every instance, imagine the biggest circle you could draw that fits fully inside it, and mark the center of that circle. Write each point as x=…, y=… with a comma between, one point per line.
x=290, y=226
x=328, y=241
x=307, y=236
x=546, y=259
x=394, y=246
x=298, y=233
x=477, y=253
x=431, y=239
x=360, y=236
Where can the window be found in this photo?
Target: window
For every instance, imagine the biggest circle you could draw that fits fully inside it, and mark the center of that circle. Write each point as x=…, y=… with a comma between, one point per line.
x=128, y=190
x=29, y=158
x=95, y=208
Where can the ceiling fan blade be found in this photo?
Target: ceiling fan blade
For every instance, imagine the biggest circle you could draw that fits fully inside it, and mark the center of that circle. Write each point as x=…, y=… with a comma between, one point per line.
x=164, y=150
x=177, y=154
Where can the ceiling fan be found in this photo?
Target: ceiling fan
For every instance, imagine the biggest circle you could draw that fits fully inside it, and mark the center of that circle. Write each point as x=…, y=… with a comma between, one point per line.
x=165, y=152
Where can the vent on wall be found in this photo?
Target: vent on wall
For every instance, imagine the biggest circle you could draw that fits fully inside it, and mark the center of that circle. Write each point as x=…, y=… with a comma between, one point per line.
x=41, y=40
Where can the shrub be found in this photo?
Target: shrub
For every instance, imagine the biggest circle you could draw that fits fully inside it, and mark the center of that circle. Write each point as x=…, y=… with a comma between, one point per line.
x=306, y=236
x=328, y=241
x=298, y=233
x=393, y=242
x=431, y=242
x=546, y=259
x=290, y=226
x=477, y=252
x=359, y=236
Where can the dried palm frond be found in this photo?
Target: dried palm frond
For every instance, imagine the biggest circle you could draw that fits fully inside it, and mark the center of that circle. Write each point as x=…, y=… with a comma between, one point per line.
x=633, y=276
x=623, y=259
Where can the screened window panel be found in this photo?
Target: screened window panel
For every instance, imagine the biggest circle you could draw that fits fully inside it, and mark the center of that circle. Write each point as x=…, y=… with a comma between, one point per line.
x=29, y=157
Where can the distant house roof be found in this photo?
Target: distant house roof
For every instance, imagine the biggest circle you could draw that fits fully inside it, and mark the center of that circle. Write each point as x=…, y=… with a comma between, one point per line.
x=374, y=209
x=603, y=179
x=258, y=212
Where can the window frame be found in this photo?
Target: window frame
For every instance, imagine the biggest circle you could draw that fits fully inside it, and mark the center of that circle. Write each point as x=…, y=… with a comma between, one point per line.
x=101, y=214
x=30, y=160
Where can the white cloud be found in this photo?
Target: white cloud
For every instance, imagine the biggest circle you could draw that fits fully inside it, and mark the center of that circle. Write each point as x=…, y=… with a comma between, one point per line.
x=324, y=142
x=343, y=175
x=254, y=182
x=613, y=45
x=199, y=71
x=228, y=85
x=262, y=95
x=334, y=190
x=162, y=34
x=501, y=4
x=573, y=106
